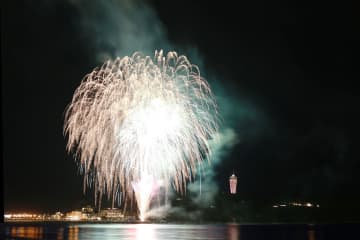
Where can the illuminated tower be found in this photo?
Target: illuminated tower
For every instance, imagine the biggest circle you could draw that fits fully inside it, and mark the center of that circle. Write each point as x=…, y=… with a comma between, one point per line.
x=233, y=183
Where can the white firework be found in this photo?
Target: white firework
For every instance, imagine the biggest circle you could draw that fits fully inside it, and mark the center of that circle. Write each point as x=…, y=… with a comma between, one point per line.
x=140, y=116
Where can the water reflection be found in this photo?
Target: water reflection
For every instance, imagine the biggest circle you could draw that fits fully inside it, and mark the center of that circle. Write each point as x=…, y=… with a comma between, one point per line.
x=152, y=231
x=73, y=233
x=233, y=232
x=145, y=232
x=66, y=231
x=60, y=234
x=311, y=235
x=26, y=232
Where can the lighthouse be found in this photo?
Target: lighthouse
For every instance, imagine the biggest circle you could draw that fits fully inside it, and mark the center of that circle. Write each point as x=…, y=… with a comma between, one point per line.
x=233, y=183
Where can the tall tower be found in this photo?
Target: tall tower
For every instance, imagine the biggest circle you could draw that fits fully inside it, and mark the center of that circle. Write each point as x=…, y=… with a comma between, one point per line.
x=233, y=183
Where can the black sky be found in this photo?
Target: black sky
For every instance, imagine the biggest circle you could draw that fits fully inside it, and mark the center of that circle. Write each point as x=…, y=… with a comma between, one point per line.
x=295, y=63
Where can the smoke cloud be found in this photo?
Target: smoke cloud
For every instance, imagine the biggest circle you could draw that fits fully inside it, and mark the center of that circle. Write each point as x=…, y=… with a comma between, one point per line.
x=120, y=27
x=204, y=188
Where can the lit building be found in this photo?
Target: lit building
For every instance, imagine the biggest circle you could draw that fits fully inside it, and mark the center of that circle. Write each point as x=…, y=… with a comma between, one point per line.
x=22, y=216
x=233, y=183
x=87, y=210
x=57, y=216
x=111, y=213
x=74, y=216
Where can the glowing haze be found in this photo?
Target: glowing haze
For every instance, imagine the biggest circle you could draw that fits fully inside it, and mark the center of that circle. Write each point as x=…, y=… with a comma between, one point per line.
x=139, y=119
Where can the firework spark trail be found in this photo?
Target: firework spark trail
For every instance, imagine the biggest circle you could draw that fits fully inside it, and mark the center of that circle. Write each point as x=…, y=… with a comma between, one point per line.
x=138, y=116
x=144, y=190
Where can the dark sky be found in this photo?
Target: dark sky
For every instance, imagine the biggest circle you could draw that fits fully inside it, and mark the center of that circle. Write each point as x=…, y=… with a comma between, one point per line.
x=291, y=64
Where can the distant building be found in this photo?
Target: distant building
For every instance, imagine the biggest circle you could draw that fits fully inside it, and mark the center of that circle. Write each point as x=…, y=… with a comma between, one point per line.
x=111, y=214
x=87, y=210
x=57, y=216
x=75, y=216
x=233, y=183
x=87, y=213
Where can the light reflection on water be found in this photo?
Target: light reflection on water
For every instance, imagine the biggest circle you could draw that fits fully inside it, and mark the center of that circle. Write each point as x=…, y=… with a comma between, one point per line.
x=152, y=231
x=30, y=232
x=166, y=232
x=233, y=232
x=311, y=234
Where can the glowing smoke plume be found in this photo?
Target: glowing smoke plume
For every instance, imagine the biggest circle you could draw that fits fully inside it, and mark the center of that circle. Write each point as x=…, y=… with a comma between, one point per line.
x=140, y=117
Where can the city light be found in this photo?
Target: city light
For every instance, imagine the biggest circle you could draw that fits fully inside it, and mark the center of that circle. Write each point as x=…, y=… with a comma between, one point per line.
x=296, y=204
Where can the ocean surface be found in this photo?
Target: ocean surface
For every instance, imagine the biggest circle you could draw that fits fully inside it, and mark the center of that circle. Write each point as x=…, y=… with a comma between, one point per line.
x=73, y=231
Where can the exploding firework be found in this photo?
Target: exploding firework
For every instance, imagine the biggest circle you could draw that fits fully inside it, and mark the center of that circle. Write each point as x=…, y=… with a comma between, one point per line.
x=138, y=118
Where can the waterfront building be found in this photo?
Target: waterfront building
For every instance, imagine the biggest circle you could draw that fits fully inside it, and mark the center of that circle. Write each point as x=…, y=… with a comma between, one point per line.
x=111, y=214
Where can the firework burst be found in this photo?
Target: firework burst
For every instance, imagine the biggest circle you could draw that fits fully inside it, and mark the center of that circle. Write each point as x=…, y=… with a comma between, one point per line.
x=139, y=116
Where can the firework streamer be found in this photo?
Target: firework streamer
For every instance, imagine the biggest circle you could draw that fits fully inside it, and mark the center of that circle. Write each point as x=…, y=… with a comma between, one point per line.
x=138, y=118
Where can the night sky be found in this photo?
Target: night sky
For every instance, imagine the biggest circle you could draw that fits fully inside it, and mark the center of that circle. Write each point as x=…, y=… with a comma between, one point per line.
x=284, y=76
